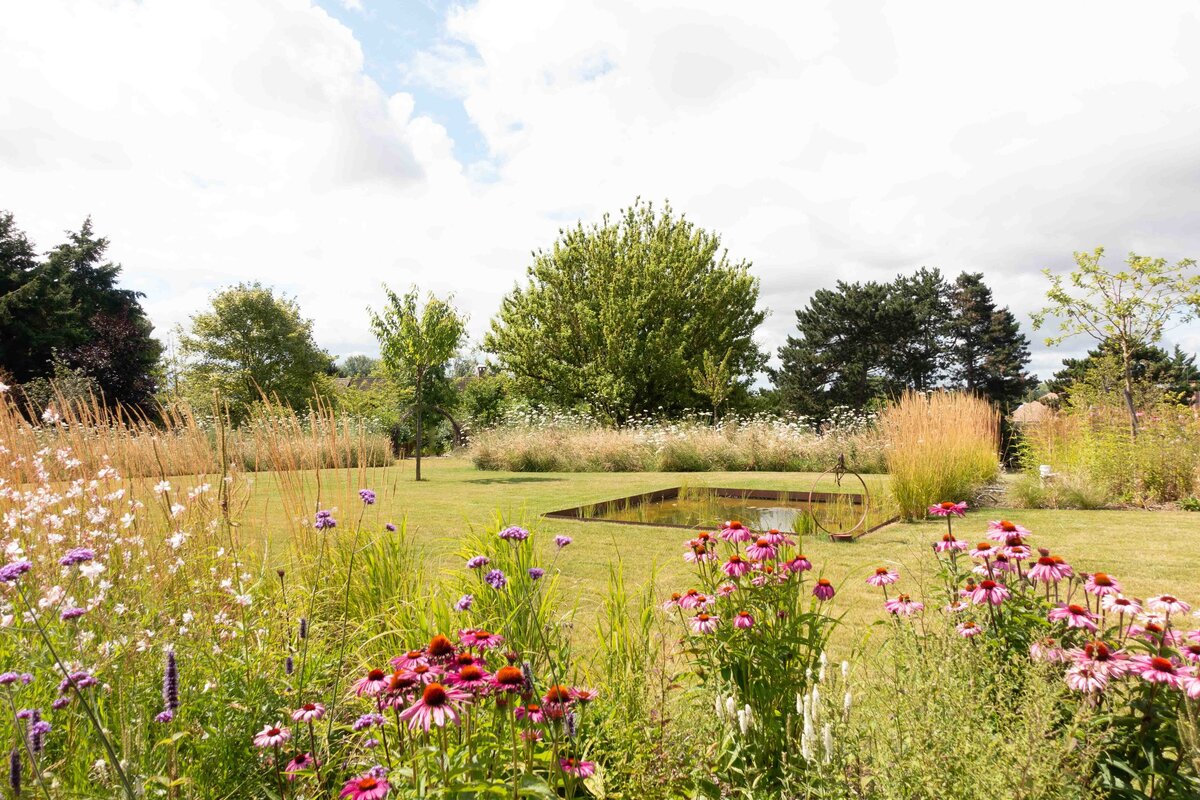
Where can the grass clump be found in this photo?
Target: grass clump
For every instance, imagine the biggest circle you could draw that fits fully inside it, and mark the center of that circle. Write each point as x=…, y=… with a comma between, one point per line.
x=941, y=446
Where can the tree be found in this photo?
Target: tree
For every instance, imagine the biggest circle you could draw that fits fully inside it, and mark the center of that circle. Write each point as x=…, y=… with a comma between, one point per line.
x=988, y=352
x=1130, y=306
x=714, y=380
x=357, y=366
x=615, y=316
x=70, y=308
x=250, y=344
x=412, y=343
x=1155, y=372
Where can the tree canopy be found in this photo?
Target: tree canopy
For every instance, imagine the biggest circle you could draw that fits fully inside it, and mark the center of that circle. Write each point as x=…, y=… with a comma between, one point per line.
x=859, y=342
x=617, y=315
x=66, y=311
x=249, y=344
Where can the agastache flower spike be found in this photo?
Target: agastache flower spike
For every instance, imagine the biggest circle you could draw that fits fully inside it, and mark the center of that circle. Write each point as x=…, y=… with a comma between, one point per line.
x=171, y=683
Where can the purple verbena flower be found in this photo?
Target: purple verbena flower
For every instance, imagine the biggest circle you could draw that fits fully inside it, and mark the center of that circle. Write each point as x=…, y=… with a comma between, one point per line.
x=77, y=555
x=368, y=496
x=325, y=520
x=72, y=613
x=7, y=678
x=389, y=527
x=478, y=562
x=562, y=541
x=514, y=534
x=536, y=573
x=80, y=680
x=11, y=571
x=367, y=721
x=61, y=703
x=464, y=602
x=496, y=579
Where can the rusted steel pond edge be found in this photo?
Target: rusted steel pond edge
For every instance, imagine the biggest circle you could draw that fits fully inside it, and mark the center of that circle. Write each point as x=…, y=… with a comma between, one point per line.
x=577, y=514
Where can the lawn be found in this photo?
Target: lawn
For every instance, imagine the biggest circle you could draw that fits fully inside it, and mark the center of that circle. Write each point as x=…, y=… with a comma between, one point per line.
x=1149, y=551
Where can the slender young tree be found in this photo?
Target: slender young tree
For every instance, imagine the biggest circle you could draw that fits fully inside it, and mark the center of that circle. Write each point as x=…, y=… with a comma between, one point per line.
x=413, y=341
x=1130, y=306
x=714, y=380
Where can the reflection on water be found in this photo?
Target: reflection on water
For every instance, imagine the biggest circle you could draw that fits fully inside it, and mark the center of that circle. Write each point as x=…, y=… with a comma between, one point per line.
x=699, y=509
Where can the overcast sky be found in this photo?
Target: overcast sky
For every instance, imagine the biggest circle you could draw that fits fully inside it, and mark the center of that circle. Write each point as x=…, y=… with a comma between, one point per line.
x=327, y=147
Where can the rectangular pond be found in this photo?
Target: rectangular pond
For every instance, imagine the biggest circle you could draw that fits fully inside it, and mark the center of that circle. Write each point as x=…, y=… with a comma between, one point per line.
x=841, y=515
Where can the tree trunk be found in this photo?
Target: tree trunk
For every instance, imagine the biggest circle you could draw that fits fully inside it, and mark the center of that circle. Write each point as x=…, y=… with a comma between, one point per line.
x=417, y=400
x=1128, y=391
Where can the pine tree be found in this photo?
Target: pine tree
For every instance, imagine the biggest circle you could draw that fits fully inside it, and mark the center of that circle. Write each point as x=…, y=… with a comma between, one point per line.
x=986, y=349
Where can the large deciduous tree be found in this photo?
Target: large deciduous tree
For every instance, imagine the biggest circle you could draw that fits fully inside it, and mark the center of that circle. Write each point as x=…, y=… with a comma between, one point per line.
x=66, y=311
x=617, y=315
x=415, y=341
x=1127, y=307
x=252, y=343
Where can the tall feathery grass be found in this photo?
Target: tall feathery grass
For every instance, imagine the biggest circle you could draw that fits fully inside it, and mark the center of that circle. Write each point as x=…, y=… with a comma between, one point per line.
x=541, y=442
x=941, y=446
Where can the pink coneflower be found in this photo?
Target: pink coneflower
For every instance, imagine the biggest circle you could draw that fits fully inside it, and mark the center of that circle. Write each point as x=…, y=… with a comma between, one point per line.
x=956, y=607
x=968, y=628
x=365, y=787
x=949, y=543
x=1111, y=663
x=272, y=736
x=532, y=735
x=303, y=762
x=1048, y=570
x=401, y=681
x=530, y=712
x=479, y=638
x=1153, y=631
x=1193, y=689
x=989, y=591
x=371, y=684
x=440, y=648
x=699, y=553
x=761, y=550
x=1157, y=669
x=983, y=550
x=705, y=623
x=436, y=706
x=309, y=712
x=1047, y=650
x=735, y=531
x=883, y=576
x=1190, y=651
x=726, y=589
x=948, y=509
x=421, y=673
x=903, y=605
x=1000, y=529
x=1074, y=615
x=778, y=537
x=577, y=768
x=999, y=564
x=470, y=678
x=1168, y=604
x=1101, y=585
x=823, y=590
x=1115, y=604
x=690, y=599
x=736, y=566
x=1017, y=552
x=509, y=679
x=410, y=659
x=744, y=620
x=1086, y=678
x=797, y=564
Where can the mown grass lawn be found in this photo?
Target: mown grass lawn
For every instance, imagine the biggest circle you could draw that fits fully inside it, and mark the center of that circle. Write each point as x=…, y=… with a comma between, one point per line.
x=1150, y=552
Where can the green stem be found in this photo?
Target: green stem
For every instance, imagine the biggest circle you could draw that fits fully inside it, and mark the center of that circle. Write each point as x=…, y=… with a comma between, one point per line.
x=37, y=770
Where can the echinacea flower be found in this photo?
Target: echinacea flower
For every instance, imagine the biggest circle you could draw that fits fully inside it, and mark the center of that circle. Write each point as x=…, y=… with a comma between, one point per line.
x=1101, y=585
x=1111, y=663
x=436, y=706
x=705, y=623
x=1157, y=669
x=477, y=637
x=743, y=620
x=1168, y=604
x=309, y=712
x=778, y=537
x=726, y=589
x=509, y=679
x=883, y=576
x=948, y=509
x=531, y=713
x=440, y=648
x=989, y=591
x=410, y=659
x=823, y=590
x=303, y=762
x=470, y=678
x=1048, y=570
x=968, y=628
x=1115, y=604
x=1086, y=678
x=761, y=550
x=690, y=599
x=272, y=736
x=365, y=787
x=736, y=566
x=1075, y=616
x=371, y=684
x=1000, y=529
x=1047, y=650
x=577, y=768
x=983, y=550
x=949, y=544
x=584, y=695
x=903, y=605
x=1190, y=651
x=797, y=564
x=735, y=531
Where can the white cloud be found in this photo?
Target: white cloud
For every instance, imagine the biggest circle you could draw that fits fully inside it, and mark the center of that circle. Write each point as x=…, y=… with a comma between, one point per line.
x=216, y=140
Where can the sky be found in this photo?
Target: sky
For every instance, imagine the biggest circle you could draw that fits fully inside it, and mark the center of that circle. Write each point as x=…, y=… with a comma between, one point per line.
x=325, y=148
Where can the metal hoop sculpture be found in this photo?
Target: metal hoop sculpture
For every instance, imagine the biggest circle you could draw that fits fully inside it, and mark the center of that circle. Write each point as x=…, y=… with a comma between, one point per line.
x=839, y=471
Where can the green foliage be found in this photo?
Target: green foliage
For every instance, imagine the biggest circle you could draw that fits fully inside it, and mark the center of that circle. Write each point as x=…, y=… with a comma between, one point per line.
x=862, y=342
x=617, y=315
x=357, y=366
x=1128, y=307
x=1156, y=374
x=415, y=342
x=713, y=380
x=252, y=344
x=68, y=308
x=66, y=386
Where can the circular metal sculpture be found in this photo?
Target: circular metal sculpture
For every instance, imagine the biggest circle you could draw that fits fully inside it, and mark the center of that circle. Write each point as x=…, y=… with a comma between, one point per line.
x=839, y=472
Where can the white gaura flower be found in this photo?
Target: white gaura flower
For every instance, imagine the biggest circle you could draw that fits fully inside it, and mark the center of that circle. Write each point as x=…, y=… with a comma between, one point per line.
x=162, y=486
x=91, y=570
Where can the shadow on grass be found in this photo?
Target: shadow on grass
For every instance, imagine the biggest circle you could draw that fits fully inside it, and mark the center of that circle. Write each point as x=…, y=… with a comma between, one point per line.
x=526, y=479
